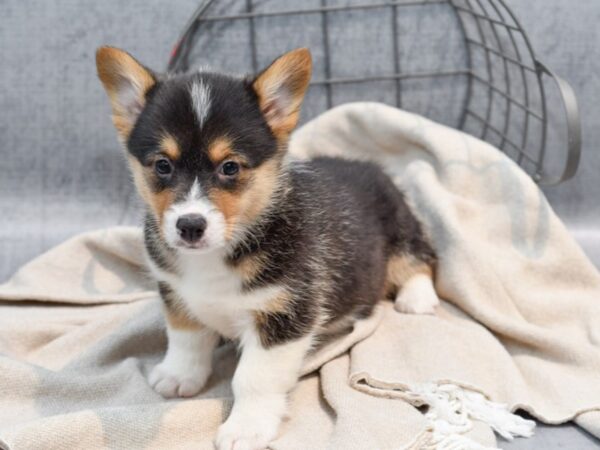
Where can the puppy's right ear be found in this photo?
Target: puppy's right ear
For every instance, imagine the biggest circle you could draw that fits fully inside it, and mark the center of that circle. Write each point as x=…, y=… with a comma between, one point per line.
x=126, y=82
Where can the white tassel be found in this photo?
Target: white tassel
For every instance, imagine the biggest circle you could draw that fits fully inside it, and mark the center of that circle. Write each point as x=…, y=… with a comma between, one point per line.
x=451, y=410
x=497, y=416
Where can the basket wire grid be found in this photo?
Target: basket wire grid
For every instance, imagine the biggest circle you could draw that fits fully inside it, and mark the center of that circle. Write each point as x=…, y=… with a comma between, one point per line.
x=504, y=98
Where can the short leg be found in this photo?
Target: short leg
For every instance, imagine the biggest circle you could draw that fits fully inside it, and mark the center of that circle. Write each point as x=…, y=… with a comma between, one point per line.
x=414, y=278
x=188, y=362
x=263, y=378
x=417, y=295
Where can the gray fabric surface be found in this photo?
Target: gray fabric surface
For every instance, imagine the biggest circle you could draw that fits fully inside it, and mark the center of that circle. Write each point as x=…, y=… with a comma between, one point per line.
x=63, y=172
x=62, y=169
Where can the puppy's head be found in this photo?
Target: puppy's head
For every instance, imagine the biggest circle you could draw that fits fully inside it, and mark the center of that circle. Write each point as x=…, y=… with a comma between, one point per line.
x=205, y=149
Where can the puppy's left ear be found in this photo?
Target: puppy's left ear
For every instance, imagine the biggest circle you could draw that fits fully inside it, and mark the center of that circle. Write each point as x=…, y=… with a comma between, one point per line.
x=126, y=82
x=280, y=89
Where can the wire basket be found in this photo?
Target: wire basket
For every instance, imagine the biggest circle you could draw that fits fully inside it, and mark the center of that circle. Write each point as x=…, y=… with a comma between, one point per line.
x=466, y=63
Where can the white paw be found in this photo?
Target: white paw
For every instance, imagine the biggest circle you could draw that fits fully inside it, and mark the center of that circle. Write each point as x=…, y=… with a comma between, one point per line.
x=417, y=296
x=247, y=432
x=171, y=382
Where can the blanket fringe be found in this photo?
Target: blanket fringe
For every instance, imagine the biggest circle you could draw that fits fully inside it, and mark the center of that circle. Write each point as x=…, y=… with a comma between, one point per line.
x=451, y=410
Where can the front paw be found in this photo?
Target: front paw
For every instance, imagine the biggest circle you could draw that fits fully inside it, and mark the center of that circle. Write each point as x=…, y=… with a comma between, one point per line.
x=170, y=381
x=247, y=431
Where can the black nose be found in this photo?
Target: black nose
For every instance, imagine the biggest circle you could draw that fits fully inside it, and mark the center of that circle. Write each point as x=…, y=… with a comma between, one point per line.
x=191, y=227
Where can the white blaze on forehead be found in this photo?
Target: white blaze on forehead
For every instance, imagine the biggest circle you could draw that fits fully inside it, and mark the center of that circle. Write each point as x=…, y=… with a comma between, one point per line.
x=200, y=94
x=194, y=191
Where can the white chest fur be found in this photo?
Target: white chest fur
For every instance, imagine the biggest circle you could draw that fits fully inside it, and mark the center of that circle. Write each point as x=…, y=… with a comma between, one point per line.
x=212, y=292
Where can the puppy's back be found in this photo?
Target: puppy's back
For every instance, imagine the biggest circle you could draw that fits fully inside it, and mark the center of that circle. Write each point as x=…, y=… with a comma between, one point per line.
x=355, y=222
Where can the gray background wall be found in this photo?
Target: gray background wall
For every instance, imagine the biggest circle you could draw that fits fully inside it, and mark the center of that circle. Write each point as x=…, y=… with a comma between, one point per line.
x=61, y=168
x=566, y=37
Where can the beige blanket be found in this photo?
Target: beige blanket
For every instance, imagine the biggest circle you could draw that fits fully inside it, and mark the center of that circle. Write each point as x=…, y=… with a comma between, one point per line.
x=80, y=326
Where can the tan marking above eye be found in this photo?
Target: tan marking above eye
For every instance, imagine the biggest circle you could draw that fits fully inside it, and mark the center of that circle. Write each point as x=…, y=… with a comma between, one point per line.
x=221, y=150
x=169, y=146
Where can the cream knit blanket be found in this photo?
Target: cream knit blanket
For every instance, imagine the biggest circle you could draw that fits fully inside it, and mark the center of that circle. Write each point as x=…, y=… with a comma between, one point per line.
x=519, y=327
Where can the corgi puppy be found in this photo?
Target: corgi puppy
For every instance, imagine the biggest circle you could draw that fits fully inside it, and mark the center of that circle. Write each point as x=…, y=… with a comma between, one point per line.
x=250, y=245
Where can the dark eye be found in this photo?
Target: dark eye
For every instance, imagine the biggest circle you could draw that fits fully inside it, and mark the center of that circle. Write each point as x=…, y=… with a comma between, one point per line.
x=163, y=167
x=230, y=168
